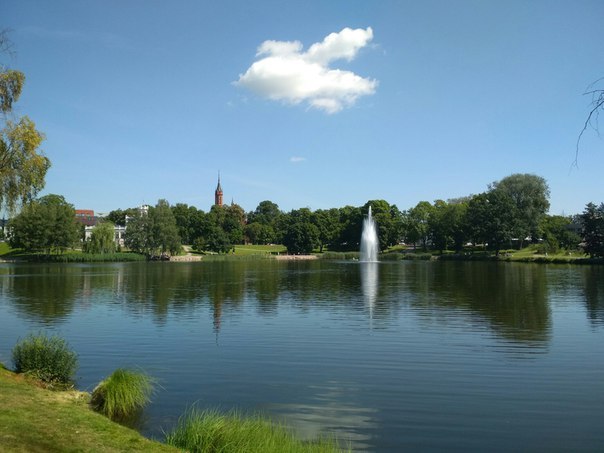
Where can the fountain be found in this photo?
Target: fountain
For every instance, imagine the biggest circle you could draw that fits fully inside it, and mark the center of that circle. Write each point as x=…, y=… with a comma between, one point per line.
x=369, y=240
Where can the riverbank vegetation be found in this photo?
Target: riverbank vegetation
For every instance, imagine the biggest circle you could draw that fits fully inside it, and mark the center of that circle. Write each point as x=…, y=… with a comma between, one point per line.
x=122, y=393
x=46, y=358
x=510, y=215
x=212, y=431
x=33, y=418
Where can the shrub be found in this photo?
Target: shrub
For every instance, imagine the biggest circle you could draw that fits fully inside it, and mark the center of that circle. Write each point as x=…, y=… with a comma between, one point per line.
x=122, y=394
x=210, y=431
x=46, y=358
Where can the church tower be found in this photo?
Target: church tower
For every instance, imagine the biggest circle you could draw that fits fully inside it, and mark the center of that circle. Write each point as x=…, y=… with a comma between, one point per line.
x=218, y=193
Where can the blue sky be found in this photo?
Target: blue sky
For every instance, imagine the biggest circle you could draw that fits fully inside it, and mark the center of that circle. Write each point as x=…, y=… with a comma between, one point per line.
x=313, y=104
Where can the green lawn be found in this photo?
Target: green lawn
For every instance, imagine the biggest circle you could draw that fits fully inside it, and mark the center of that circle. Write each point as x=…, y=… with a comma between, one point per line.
x=259, y=249
x=36, y=419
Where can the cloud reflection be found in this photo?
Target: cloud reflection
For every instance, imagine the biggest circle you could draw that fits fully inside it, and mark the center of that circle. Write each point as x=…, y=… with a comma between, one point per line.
x=331, y=411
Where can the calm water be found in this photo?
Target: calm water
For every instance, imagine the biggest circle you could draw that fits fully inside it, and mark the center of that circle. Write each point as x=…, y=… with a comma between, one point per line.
x=388, y=356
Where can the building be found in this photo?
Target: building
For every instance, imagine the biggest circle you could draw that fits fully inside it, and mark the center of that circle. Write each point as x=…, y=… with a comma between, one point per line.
x=86, y=217
x=218, y=193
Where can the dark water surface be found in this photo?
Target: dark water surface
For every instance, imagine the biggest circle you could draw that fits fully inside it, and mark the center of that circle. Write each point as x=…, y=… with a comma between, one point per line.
x=386, y=356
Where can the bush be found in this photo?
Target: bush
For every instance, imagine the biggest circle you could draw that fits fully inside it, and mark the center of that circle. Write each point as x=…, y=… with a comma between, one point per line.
x=122, y=394
x=46, y=358
x=210, y=431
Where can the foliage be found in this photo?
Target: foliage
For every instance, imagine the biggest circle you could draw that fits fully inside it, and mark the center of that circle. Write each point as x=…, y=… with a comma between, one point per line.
x=592, y=223
x=301, y=235
x=122, y=394
x=34, y=419
x=217, y=241
x=47, y=224
x=102, y=239
x=417, y=223
x=46, y=358
x=211, y=431
x=491, y=217
x=530, y=196
x=23, y=166
x=557, y=230
x=79, y=257
x=119, y=216
x=153, y=232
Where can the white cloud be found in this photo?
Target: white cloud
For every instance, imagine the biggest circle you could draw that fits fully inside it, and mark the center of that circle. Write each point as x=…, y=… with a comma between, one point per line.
x=296, y=159
x=285, y=73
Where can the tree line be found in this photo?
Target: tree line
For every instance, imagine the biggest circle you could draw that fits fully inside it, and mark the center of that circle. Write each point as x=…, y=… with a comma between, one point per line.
x=510, y=214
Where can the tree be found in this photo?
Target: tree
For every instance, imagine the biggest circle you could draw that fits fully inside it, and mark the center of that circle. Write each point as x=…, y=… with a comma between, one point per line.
x=491, y=219
x=592, y=223
x=47, y=224
x=23, y=166
x=530, y=195
x=119, y=217
x=558, y=233
x=101, y=239
x=597, y=106
x=327, y=223
x=153, y=233
x=301, y=235
x=417, y=223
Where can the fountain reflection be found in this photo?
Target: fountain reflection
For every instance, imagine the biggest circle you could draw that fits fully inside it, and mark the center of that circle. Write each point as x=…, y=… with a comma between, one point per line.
x=369, y=285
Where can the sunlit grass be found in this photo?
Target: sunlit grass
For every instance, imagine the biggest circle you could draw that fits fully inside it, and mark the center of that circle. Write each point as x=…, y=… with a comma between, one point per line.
x=259, y=249
x=210, y=431
x=122, y=394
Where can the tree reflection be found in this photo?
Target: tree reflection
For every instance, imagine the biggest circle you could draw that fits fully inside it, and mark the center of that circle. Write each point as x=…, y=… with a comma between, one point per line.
x=593, y=278
x=513, y=298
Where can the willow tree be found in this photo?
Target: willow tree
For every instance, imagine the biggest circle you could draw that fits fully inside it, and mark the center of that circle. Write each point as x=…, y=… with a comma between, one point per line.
x=23, y=165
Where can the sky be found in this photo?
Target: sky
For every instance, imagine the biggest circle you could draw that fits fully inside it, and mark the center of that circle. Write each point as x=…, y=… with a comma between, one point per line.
x=312, y=103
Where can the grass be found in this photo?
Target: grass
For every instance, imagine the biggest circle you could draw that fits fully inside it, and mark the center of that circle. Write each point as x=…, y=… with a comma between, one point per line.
x=46, y=358
x=122, y=394
x=33, y=419
x=213, y=432
x=259, y=249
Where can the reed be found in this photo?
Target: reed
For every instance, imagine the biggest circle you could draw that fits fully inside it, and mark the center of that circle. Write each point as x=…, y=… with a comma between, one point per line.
x=210, y=431
x=122, y=394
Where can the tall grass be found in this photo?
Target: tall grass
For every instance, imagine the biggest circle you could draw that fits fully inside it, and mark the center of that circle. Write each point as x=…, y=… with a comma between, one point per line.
x=46, y=358
x=122, y=394
x=212, y=432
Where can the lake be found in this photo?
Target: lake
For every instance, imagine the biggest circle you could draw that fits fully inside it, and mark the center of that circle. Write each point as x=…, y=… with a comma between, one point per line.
x=390, y=356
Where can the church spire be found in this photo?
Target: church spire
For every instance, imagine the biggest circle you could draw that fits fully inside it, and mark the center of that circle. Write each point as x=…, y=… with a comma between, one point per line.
x=218, y=193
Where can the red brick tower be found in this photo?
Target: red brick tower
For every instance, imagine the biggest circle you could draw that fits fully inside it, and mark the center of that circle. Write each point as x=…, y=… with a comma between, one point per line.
x=218, y=193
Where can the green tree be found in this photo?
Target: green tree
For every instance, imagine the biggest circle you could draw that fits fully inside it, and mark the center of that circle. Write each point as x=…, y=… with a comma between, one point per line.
x=557, y=231
x=217, y=240
x=47, y=224
x=592, y=228
x=153, y=233
x=23, y=166
x=101, y=239
x=328, y=226
x=417, y=223
x=491, y=219
x=119, y=216
x=266, y=213
x=259, y=233
x=351, y=227
x=530, y=195
x=301, y=236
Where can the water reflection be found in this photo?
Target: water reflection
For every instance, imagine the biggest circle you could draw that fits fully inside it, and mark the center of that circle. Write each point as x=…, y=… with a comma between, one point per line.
x=593, y=278
x=331, y=412
x=512, y=299
x=369, y=284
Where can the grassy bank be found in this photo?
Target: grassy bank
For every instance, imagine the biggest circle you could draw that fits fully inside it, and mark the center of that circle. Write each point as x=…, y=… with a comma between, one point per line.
x=36, y=419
